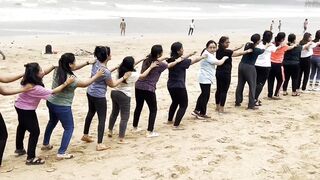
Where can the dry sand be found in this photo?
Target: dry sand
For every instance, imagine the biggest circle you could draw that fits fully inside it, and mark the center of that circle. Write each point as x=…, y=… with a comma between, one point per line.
x=279, y=141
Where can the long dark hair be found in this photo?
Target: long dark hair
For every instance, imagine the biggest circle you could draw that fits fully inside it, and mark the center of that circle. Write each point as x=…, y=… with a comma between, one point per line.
x=102, y=53
x=31, y=75
x=175, y=47
x=291, y=38
x=279, y=38
x=156, y=50
x=208, y=44
x=305, y=39
x=222, y=40
x=255, y=38
x=126, y=66
x=267, y=37
x=64, y=67
x=317, y=36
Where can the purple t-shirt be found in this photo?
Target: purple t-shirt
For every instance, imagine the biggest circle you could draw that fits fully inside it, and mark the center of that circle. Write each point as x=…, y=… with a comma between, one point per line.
x=177, y=74
x=30, y=100
x=149, y=83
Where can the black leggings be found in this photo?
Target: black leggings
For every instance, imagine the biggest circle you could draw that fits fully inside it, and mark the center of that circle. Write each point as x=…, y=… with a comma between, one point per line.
x=28, y=121
x=223, y=84
x=275, y=73
x=190, y=31
x=3, y=137
x=291, y=71
x=203, y=99
x=98, y=105
x=150, y=98
x=262, y=76
x=305, y=70
x=179, y=98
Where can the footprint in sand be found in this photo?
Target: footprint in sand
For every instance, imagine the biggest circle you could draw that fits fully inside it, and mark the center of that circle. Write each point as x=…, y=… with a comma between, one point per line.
x=196, y=135
x=6, y=169
x=224, y=140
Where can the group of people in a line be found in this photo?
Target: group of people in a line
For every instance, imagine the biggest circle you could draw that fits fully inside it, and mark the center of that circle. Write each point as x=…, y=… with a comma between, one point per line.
x=262, y=60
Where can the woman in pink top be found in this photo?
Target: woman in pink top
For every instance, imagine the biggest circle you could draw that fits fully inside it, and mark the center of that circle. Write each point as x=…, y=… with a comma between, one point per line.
x=277, y=71
x=26, y=105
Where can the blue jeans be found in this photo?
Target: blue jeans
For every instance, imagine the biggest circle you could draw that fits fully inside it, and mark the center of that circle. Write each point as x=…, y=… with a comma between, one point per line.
x=64, y=114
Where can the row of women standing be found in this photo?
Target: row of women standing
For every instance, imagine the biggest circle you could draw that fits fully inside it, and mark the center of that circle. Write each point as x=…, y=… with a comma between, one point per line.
x=60, y=98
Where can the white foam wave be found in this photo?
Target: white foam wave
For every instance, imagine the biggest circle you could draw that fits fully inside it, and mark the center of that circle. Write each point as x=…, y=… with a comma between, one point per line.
x=99, y=3
x=140, y=7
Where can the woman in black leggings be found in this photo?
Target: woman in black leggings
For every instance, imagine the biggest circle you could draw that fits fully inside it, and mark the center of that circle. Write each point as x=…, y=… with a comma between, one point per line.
x=223, y=73
x=291, y=66
x=3, y=128
x=145, y=88
x=305, y=63
x=177, y=84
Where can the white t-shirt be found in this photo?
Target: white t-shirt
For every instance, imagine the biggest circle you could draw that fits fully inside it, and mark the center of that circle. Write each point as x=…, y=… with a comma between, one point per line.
x=264, y=59
x=308, y=52
x=126, y=88
x=208, y=69
x=192, y=25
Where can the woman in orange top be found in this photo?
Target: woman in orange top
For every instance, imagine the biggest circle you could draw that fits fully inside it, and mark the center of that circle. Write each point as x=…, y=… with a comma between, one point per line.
x=276, y=71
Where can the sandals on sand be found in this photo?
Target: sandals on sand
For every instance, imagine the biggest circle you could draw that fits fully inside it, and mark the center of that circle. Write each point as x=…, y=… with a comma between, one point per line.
x=46, y=147
x=20, y=152
x=35, y=161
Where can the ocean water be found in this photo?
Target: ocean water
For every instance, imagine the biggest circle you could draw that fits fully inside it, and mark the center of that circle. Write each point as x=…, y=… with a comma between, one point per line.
x=47, y=16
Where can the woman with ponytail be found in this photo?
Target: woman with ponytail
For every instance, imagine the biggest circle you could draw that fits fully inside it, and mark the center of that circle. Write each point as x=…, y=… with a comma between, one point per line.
x=305, y=63
x=121, y=96
x=26, y=105
x=263, y=64
x=59, y=104
x=223, y=72
x=277, y=71
x=177, y=83
x=96, y=95
x=145, y=88
x=247, y=72
x=206, y=78
x=291, y=66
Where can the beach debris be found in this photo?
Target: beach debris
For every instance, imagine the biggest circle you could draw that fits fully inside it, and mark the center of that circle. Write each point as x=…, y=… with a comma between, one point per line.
x=82, y=52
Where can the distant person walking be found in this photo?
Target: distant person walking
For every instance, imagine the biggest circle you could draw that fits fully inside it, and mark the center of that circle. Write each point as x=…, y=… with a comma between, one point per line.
x=191, y=28
x=271, y=26
x=305, y=25
x=3, y=56
x=279, y=26
x=123, y=26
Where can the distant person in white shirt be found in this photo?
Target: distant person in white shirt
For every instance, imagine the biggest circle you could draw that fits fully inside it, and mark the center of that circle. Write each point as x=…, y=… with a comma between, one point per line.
x=305, y=25
x=123, y=26
x=271, y=26
x=191, y=28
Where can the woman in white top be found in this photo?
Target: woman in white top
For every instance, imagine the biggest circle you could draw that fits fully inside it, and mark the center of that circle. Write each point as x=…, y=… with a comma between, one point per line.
x=121, y=96
x=206, y=78
x=263, y=63
x=306, y=53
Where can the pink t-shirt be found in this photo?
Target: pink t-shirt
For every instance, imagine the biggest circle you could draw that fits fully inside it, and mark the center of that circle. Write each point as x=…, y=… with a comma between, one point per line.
x=31, y=99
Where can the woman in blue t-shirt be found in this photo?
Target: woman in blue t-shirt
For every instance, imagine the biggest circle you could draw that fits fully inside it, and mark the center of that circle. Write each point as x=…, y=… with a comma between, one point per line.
x=96, y=95
x=176, y=83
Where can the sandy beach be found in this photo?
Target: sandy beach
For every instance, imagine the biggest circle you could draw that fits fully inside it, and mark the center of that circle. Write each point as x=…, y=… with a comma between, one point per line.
x=278, y=141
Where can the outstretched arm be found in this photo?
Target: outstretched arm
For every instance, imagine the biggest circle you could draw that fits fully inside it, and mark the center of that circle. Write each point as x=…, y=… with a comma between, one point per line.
x=7, y=79
x=6, y=92
x=237, y=48
x=236, y=54
x=49, y=69
x=197, y=59
x=86, y=83
x=81, y=65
